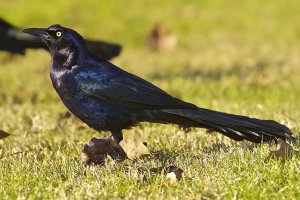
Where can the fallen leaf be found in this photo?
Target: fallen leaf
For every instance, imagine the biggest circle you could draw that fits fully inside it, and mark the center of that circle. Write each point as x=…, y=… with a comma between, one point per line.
x=284, y=150
x=170, y=170
x=3, y=134
x=265, y=80
x=160, y=39
x=98, y=150
x=134, y=147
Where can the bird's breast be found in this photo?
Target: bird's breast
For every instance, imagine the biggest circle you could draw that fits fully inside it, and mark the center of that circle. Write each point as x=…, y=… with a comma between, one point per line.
x=64, y=84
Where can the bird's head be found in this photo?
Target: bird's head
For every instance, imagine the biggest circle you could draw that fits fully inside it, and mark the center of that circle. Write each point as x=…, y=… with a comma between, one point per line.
x=56, y=37
x=61, y=41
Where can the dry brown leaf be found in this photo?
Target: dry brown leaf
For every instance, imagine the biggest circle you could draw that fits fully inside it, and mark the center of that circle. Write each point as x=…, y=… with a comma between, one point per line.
x=170, y=171
x=3, y=134
x=98, y=150
x=284, y=150
x=134, y=147
x=265, y=80
x=160, y=39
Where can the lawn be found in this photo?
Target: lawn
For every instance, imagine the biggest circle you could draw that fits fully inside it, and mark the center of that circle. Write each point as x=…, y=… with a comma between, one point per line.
x=234, y=56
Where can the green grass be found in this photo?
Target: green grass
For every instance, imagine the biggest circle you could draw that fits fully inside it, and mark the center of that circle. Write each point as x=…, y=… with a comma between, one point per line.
x=234, y=56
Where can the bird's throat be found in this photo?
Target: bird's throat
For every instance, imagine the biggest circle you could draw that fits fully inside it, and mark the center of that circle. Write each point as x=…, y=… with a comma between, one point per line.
x=65, y=57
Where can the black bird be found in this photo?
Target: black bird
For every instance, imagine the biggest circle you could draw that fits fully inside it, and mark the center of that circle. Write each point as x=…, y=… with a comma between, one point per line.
x=108, y=98
x=12, y=39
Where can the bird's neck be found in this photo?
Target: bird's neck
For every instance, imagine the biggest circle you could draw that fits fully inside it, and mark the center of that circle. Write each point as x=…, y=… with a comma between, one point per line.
x=68, y=56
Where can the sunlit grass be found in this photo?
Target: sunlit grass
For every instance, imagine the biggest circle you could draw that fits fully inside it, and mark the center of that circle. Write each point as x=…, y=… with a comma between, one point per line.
x=234, y=56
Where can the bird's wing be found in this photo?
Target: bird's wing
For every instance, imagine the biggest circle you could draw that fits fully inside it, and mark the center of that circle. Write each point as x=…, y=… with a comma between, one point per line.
x=119, y=88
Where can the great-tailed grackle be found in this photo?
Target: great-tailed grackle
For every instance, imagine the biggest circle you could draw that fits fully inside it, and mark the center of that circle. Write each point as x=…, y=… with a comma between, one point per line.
x=12, y=39
x=108, y=98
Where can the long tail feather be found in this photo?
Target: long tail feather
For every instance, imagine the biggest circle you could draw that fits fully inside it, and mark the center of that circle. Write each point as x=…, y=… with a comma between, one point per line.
x=234, y=126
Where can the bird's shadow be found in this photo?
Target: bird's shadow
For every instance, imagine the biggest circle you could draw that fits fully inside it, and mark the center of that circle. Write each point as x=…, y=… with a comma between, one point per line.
x=163, y=155
x=167, y=155
x=218, y=147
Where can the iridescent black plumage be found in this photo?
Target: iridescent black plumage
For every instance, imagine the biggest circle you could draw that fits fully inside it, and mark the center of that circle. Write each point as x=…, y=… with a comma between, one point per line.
x=108, y=98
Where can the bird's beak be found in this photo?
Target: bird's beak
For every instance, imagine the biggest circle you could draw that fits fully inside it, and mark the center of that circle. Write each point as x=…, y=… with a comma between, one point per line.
x=41, y=32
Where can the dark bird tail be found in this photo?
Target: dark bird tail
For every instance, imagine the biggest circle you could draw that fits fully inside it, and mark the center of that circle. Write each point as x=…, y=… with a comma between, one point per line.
x=233, y=126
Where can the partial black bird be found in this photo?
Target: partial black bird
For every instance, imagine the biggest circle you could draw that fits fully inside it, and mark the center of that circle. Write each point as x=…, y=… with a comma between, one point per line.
x=13, y=40
x=108, y=98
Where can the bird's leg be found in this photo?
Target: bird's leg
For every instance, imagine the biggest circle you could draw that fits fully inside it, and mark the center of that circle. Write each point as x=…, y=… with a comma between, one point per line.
x=118, y=136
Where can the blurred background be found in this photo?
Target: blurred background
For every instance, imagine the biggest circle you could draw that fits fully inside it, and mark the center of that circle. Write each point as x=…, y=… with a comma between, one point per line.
x=235, y=56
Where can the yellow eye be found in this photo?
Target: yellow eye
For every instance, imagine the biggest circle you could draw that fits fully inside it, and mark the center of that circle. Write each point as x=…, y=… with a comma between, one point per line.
x=58, y=33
